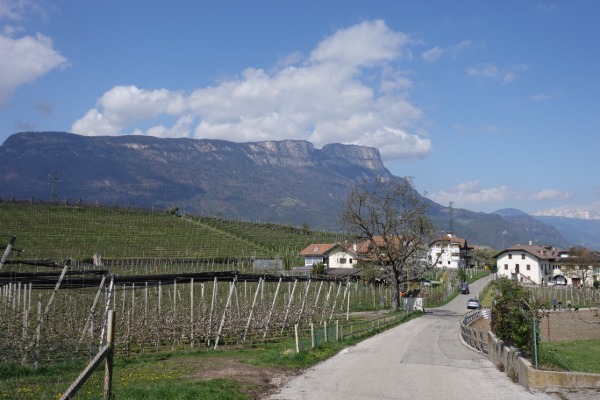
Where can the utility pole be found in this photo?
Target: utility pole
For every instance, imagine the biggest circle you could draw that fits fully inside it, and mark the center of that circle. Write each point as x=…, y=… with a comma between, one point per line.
x=450, y=218
x=54, y=186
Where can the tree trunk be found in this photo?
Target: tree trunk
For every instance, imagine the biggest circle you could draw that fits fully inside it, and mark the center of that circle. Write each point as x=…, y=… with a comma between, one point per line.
x=395, y=290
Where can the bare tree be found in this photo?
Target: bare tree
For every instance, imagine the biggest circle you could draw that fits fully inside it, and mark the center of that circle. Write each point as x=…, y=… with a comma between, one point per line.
x=390, y=216
x=580, y=263
x=483, y=256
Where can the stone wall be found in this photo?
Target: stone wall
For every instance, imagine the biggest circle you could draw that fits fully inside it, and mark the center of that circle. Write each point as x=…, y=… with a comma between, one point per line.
x=520, y=370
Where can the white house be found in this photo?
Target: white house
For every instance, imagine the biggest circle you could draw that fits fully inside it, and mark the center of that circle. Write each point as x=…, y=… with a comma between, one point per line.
x=332, y=255
x=450, y=252
x=530, y=264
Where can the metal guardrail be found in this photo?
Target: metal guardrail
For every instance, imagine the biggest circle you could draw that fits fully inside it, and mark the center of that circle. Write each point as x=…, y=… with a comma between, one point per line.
x=476, y=338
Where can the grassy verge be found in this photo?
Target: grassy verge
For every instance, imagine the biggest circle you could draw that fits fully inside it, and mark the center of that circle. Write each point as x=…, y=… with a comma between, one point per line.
x=227, y=373
x=574, y=355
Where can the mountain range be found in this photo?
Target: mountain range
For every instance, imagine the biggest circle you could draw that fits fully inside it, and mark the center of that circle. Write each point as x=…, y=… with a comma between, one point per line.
x=287, y=182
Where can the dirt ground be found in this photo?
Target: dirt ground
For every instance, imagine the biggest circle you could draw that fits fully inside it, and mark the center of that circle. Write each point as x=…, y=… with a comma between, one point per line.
x=261, y=381
x=482, y=324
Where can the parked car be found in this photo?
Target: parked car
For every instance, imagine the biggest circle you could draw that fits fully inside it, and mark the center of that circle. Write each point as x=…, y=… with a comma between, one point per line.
x=426, y=282
x=560, y=281
x=464, y=288
x=473, y=304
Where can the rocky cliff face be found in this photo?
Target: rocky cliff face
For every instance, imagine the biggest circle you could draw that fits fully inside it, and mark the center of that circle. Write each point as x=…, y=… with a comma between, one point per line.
x=283, y=181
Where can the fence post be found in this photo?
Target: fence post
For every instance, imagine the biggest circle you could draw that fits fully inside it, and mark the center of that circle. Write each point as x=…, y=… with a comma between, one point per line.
x=312, y=335
x=296, y=334
x=108, y=361
x=7, y=251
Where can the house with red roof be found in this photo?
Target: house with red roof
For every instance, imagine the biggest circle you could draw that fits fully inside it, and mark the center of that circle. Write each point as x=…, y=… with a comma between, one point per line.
x=450, y=251
x=332, y=255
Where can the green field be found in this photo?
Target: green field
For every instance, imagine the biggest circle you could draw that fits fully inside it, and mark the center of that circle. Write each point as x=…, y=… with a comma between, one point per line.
x=60, y=232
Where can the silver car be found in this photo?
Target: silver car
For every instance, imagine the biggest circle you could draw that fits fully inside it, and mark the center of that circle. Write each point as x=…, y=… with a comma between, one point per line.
x=473, y=304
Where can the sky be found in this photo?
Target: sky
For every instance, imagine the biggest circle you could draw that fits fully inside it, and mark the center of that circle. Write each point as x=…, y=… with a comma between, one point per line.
x=486, y=104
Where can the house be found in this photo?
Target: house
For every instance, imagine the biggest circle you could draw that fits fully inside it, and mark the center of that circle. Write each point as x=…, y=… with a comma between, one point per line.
x=332, y=255
x=530, y=264
x=450, y=252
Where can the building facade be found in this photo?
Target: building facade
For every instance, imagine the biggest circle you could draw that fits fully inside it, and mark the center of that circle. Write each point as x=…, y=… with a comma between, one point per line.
x=449, y=251
x=332, y=255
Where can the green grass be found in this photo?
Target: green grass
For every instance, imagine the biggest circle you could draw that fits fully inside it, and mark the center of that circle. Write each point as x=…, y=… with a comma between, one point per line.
x=574, y=355
x=59, y=232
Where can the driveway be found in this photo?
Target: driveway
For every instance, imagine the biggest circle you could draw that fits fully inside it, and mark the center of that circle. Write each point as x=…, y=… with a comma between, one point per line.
x=422, y=359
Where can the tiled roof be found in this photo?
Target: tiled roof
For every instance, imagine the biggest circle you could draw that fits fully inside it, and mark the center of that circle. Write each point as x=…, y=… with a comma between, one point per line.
x=321, y=249
x=462, y=242
x=364, y=247
x=541, y=252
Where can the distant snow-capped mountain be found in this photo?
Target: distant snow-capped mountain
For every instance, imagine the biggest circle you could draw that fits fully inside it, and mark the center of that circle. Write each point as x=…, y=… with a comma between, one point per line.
x=582, y=212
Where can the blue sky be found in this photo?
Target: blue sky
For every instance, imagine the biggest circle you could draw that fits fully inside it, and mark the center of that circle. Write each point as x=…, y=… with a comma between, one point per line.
x=487, y=104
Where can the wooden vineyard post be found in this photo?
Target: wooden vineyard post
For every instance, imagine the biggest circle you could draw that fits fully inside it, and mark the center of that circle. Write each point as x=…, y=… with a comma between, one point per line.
x=258, y=288
x=348, y=306
x=146, y=303
x=225, y=312
x=268, y=321
x=133, y=301
x=304, y=301
x=108, y=361
x=107, y=308
x=316, y=301
x=92, y=309
x=174, y=297
x=289, y=305
x=326, y=304
x=41, y=318
x=7, y=251
x=312, y=335
x=337, y=294
x=296, y=336
x=212, y=310
x=237, y=303
x=38, y=330
x=192, y=312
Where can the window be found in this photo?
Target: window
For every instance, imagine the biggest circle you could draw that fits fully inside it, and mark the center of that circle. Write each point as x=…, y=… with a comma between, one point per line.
x=522, y=256
x=505, y=266
x=528, y=267
x=510, y=256
x=342, y=261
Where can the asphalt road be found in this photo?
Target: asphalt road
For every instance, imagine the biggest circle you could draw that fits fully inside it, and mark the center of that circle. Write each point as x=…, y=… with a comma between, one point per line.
x=422, y=359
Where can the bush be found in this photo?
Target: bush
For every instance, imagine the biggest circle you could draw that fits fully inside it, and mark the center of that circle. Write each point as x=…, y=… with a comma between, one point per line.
x=513, y=315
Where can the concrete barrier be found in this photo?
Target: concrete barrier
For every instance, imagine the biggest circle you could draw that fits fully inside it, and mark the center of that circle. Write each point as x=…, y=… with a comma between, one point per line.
x=520, y=370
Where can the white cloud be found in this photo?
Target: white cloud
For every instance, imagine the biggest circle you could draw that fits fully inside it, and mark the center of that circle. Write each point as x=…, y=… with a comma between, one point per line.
x=436, y=53
x=350, y=89
x=433, y=54
x=549, y=194
x=544, y=96
x=491, y=71
x=23, y=60
x=473, y=193
x=14, y=9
